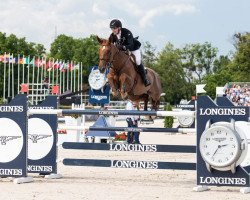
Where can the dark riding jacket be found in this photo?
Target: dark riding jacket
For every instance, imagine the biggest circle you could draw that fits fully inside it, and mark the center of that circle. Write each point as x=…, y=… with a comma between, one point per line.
x=126, y=40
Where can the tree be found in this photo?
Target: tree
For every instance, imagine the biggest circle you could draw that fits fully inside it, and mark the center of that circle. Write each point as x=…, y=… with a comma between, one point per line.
x=148, y=55
x=39, y=50
x=86, y=51
x=170, y=69
x=62, y=48
x=198, y=60
x=240, y=66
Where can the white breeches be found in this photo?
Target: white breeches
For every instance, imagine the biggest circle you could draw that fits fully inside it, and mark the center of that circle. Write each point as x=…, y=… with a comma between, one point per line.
x=137, y=54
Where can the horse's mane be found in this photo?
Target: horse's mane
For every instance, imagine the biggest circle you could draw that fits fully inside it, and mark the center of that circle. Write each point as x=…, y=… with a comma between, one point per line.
x=109, y=43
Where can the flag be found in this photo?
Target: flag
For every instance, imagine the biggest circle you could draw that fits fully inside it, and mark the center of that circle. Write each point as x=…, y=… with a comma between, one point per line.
x=43, y=61
x=25, y=60
x=200, y=88
x=69, y=66
x=48, y=64
x=62, y=66
x=15, y=60
x=1, y=58
x=37, y=62
x=76, y=67
x=32, y=61
x=56, y=65
x=6, y=58
x=10, y=59
x=20, y=61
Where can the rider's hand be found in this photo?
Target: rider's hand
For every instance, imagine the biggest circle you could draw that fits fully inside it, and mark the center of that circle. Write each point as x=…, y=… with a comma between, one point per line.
x=121, y=47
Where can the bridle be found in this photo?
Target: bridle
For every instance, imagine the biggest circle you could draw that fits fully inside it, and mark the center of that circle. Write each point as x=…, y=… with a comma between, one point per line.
x=108, y=61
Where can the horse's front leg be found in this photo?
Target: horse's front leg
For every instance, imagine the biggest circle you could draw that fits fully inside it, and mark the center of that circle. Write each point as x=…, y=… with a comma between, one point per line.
x=124, y=85
x=113, y=85
x=145, y=104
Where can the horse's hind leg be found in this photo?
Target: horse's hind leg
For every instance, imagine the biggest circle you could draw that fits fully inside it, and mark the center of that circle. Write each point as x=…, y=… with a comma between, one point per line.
x=146, y=103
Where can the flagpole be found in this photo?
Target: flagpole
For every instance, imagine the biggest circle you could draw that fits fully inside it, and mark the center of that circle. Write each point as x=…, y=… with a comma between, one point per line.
x=63, y=83
x=78, y=77
x=68, y=75
x=37, y=80
x=60, y=81
x=71, y=77
x=18, y=74
x=4, y=76
x=74, y=73
x=58, y=65
x=13, y=82
x=33, y=79
x=43, y=75
x=53, y=73
x=50, y=69
x=81, y=81
x=9, y=78
x=28, y=74
x=23, y=68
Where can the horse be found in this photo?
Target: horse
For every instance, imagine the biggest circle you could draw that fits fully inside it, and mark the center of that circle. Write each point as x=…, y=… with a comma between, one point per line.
x=123, y=77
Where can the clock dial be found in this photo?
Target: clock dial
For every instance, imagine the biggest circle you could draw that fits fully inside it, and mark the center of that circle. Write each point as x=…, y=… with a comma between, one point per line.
x=219, y=146
x=186, y=121
x=96, y=79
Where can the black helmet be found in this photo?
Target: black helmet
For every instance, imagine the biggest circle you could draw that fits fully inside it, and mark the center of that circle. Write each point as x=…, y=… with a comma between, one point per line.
x=115, y=23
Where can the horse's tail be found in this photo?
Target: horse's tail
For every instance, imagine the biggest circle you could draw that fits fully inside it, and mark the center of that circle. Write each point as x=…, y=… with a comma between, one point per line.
x=156, y=84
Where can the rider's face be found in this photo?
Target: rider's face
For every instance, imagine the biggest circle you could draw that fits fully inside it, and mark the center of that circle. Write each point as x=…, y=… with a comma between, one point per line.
x=115, y=30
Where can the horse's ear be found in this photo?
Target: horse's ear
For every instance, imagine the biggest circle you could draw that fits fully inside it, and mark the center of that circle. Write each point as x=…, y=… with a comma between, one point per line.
x=99, y=39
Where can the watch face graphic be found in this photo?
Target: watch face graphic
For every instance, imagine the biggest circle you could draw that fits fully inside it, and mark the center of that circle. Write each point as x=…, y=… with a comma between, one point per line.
x=11, y=140
x=40, y=138
x=186, y=121
x=220, y=146
x=96, y=79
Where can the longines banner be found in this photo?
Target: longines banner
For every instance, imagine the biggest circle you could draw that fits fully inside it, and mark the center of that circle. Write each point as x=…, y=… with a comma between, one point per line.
x=208, y=110
x=13, y=138
x=42, y=152
x=99, y=96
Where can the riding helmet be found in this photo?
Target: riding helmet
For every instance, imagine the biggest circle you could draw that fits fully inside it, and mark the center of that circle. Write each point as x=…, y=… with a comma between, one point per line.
x=115, y=23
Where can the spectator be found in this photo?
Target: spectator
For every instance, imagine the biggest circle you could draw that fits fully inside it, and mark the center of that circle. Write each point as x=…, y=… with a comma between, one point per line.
x=132, y=137
x=45, y=83
x=239, y=94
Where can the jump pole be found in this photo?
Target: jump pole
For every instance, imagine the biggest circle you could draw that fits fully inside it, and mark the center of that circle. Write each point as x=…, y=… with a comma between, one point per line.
x=61, y=112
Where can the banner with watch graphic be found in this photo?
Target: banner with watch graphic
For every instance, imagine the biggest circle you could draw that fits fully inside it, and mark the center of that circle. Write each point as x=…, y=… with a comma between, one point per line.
x=99, y=93
x=223, y=151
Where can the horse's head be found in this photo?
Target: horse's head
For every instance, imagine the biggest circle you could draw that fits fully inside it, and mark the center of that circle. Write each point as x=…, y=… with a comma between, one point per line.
x=106, y=54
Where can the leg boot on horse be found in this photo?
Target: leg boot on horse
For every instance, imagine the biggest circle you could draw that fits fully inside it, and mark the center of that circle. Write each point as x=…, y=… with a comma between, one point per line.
x=142, y=72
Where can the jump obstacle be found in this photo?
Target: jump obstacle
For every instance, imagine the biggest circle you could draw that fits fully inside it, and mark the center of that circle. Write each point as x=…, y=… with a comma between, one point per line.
x=207, y=111
x=130, y=163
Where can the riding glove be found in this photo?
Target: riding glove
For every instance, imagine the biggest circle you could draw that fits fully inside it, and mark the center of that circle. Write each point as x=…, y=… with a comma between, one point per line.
x=121, y=47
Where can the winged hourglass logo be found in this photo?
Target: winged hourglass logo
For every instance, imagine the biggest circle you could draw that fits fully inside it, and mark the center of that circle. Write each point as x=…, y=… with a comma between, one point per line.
x=35, y=137
x=5, y=139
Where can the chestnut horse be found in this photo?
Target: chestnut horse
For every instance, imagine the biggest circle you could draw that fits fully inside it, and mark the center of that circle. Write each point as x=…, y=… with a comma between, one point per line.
x=123, y=77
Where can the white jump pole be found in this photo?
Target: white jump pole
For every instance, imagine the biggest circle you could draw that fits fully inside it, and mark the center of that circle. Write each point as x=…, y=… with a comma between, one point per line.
x=111, y=112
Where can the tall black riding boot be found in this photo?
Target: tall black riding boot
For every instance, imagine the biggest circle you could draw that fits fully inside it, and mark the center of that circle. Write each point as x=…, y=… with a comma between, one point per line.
x=143, y=75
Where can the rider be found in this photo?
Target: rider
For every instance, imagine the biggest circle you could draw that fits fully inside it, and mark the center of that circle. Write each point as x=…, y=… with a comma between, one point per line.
x=123, y=38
